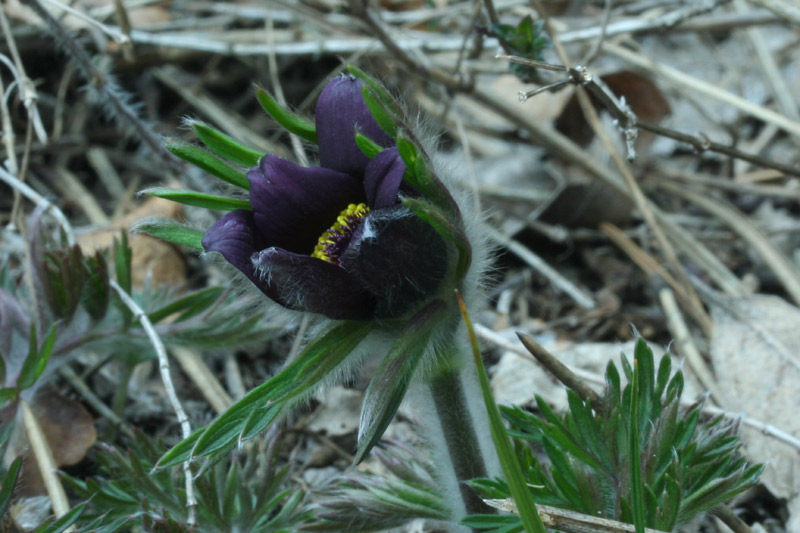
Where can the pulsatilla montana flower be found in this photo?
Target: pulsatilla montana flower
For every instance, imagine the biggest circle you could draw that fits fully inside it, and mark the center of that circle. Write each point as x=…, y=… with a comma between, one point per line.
x=335, y=239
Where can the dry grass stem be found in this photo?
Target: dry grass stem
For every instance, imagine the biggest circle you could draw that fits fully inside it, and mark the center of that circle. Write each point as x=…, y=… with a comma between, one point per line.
x=44, y=460
x=581, y=296
x=97, y=404
x=169, y=387
x=204, y=380
x=784, y=270
x=570, y=521
x=694, y=85
x=649, y=264
x=685, y=346
x=40, y=201
x=785, y=10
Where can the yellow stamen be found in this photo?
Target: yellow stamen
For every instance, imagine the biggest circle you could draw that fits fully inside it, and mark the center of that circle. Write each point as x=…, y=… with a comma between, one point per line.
x=337, y=235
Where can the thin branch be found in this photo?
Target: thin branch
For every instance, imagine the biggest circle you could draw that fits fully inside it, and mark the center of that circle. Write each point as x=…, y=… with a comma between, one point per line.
x=629, y=122
x=105, y=89
x=561, y=371
x=169, y=387
x=693, y=303
x=679, y=78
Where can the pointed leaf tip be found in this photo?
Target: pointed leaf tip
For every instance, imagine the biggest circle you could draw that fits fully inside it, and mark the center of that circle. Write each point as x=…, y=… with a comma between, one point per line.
x=291, y=122
x=225, y=146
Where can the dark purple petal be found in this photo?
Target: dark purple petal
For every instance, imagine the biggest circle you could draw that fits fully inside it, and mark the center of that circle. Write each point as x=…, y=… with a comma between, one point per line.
x=294, y=205
x=399, y=258
x=341, y=112
x=383, y=178
x=235, y=237
x=305, y=283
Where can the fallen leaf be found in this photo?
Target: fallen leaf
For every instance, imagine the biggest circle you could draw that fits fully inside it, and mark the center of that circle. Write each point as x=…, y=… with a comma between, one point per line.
x=755, y=350
x=338, y=412
x=70, y=432
x=152, y=259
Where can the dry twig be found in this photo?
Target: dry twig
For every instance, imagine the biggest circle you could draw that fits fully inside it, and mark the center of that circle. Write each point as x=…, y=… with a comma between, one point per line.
x=169, y=387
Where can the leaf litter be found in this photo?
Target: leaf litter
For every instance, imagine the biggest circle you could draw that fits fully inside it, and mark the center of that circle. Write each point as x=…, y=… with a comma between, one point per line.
x=176, y=71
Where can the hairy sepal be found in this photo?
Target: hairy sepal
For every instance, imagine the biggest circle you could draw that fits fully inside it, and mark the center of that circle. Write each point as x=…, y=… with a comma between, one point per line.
x=226, y=147
x=291, y=122
x=390, y=382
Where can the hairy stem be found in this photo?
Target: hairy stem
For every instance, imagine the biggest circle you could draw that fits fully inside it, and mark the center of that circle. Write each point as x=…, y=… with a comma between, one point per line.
x=461, y=439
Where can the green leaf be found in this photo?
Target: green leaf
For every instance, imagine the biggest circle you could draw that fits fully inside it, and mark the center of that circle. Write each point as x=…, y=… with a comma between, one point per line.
x=644, y=356
x=561, y=469
x=380, y=91
x=409, y=153
x=198, y=199
x=189, y=306
x=37, y=358
x=7, y=488
x=634, y=452
x=492, y=521
x=505, y=453
x=670, y=505
x=389, y=383
x=367, y=146
x=662, y=379
x=62, y=523
x=259, y=419
x=7, y=394
x=171, y=231
x=419, y=177
x=291, y=122
x=317, y=361
x=385, y=118
x=210, y=163
x=227, y=147
x=446, y=229
x=562, y=435
x=181, y=452
x=96, y=291
x=122, y=262
x=587, y=427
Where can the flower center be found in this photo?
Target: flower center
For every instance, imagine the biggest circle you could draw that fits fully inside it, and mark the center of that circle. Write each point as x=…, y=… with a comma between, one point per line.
x=332, y=243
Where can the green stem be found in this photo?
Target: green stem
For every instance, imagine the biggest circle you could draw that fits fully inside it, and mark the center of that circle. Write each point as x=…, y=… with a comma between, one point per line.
x=460, y=437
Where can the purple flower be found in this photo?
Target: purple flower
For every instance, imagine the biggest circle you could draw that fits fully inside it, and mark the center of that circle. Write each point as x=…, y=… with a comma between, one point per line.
x=334, y=239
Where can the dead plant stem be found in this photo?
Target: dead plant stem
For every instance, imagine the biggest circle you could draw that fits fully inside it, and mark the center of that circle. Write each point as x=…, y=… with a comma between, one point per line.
x=169, y=387
x=695, y=306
